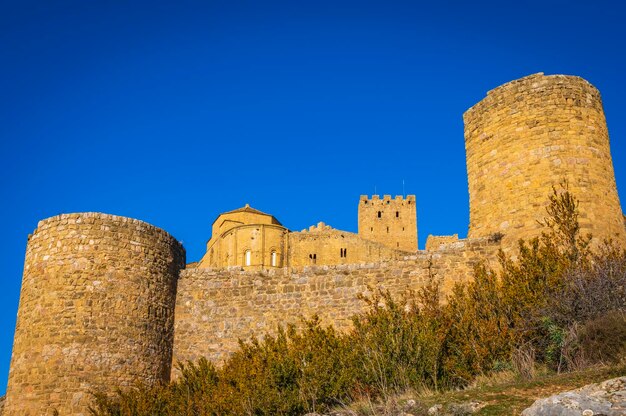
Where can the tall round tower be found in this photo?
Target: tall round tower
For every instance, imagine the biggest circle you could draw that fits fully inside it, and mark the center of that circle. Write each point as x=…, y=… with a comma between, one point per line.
x=96, y=309
x=527, y=136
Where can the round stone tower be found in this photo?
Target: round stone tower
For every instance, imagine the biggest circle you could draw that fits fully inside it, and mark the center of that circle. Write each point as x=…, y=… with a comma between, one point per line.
x=527, y=136
x=96, y=310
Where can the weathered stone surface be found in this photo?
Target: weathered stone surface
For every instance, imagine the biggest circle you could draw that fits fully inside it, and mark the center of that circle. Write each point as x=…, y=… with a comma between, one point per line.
x=607, y=398
x=96, y=309
x=455, y=409
x=252, y=240
x=246, y=237
x=389, y=221
x=324, y=245
x=434, y=242
x=216, y=308
x=525, y=137
x=435, y=409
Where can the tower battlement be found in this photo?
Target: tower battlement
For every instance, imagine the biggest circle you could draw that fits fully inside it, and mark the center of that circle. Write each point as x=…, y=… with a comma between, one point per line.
x=377, y=199
x=389, y=221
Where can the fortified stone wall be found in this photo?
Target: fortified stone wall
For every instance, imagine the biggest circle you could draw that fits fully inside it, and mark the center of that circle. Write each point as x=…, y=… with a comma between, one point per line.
x=215, y=308
x=324, y=245
x=527, y=136
x=96, y=310
x=434, y=242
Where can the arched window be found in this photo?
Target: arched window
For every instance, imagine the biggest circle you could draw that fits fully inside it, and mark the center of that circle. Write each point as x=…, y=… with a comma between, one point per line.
x=380, y=214
x=274, y=261
x=248, y=257
x=397, y=214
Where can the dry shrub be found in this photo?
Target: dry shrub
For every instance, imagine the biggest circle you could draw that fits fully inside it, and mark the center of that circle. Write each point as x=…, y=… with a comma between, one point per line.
x=603, y=339
x=523, y=361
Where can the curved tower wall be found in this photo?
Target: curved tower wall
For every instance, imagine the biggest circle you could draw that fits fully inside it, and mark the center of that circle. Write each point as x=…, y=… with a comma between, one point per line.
x=528, y=135
x=96, y=309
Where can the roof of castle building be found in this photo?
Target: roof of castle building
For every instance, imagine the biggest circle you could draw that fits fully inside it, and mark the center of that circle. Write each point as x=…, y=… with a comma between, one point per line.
x=247, y=208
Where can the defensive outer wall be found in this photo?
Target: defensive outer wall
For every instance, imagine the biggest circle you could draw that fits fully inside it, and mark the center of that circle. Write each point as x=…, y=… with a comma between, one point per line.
x=214, y=308
x=105, y=301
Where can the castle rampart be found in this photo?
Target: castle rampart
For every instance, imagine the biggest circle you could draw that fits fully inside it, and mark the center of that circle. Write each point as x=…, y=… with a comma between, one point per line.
x=527, y=136
x=435, y=242
x=324, y=245
x=215, y=308
x=96, y=310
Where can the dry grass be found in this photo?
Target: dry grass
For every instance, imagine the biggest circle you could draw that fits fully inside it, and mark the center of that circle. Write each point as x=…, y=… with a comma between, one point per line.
x=512, y=396
x=495, y=379
x=501, y=394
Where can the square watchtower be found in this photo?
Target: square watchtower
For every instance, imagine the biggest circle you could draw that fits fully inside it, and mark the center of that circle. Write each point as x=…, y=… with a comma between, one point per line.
x=389, y=221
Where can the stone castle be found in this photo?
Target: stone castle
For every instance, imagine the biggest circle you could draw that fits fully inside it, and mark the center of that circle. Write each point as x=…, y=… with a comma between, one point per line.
x=107, y=300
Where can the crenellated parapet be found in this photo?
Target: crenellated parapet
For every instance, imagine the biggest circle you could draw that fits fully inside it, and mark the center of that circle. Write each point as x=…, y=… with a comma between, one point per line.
x=389, y=221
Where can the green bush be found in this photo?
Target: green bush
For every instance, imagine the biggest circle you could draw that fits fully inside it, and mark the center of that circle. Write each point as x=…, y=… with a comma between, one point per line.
x=397, y=344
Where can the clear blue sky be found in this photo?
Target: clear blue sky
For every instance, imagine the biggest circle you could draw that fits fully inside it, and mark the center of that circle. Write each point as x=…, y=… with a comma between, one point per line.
x=174, y=112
